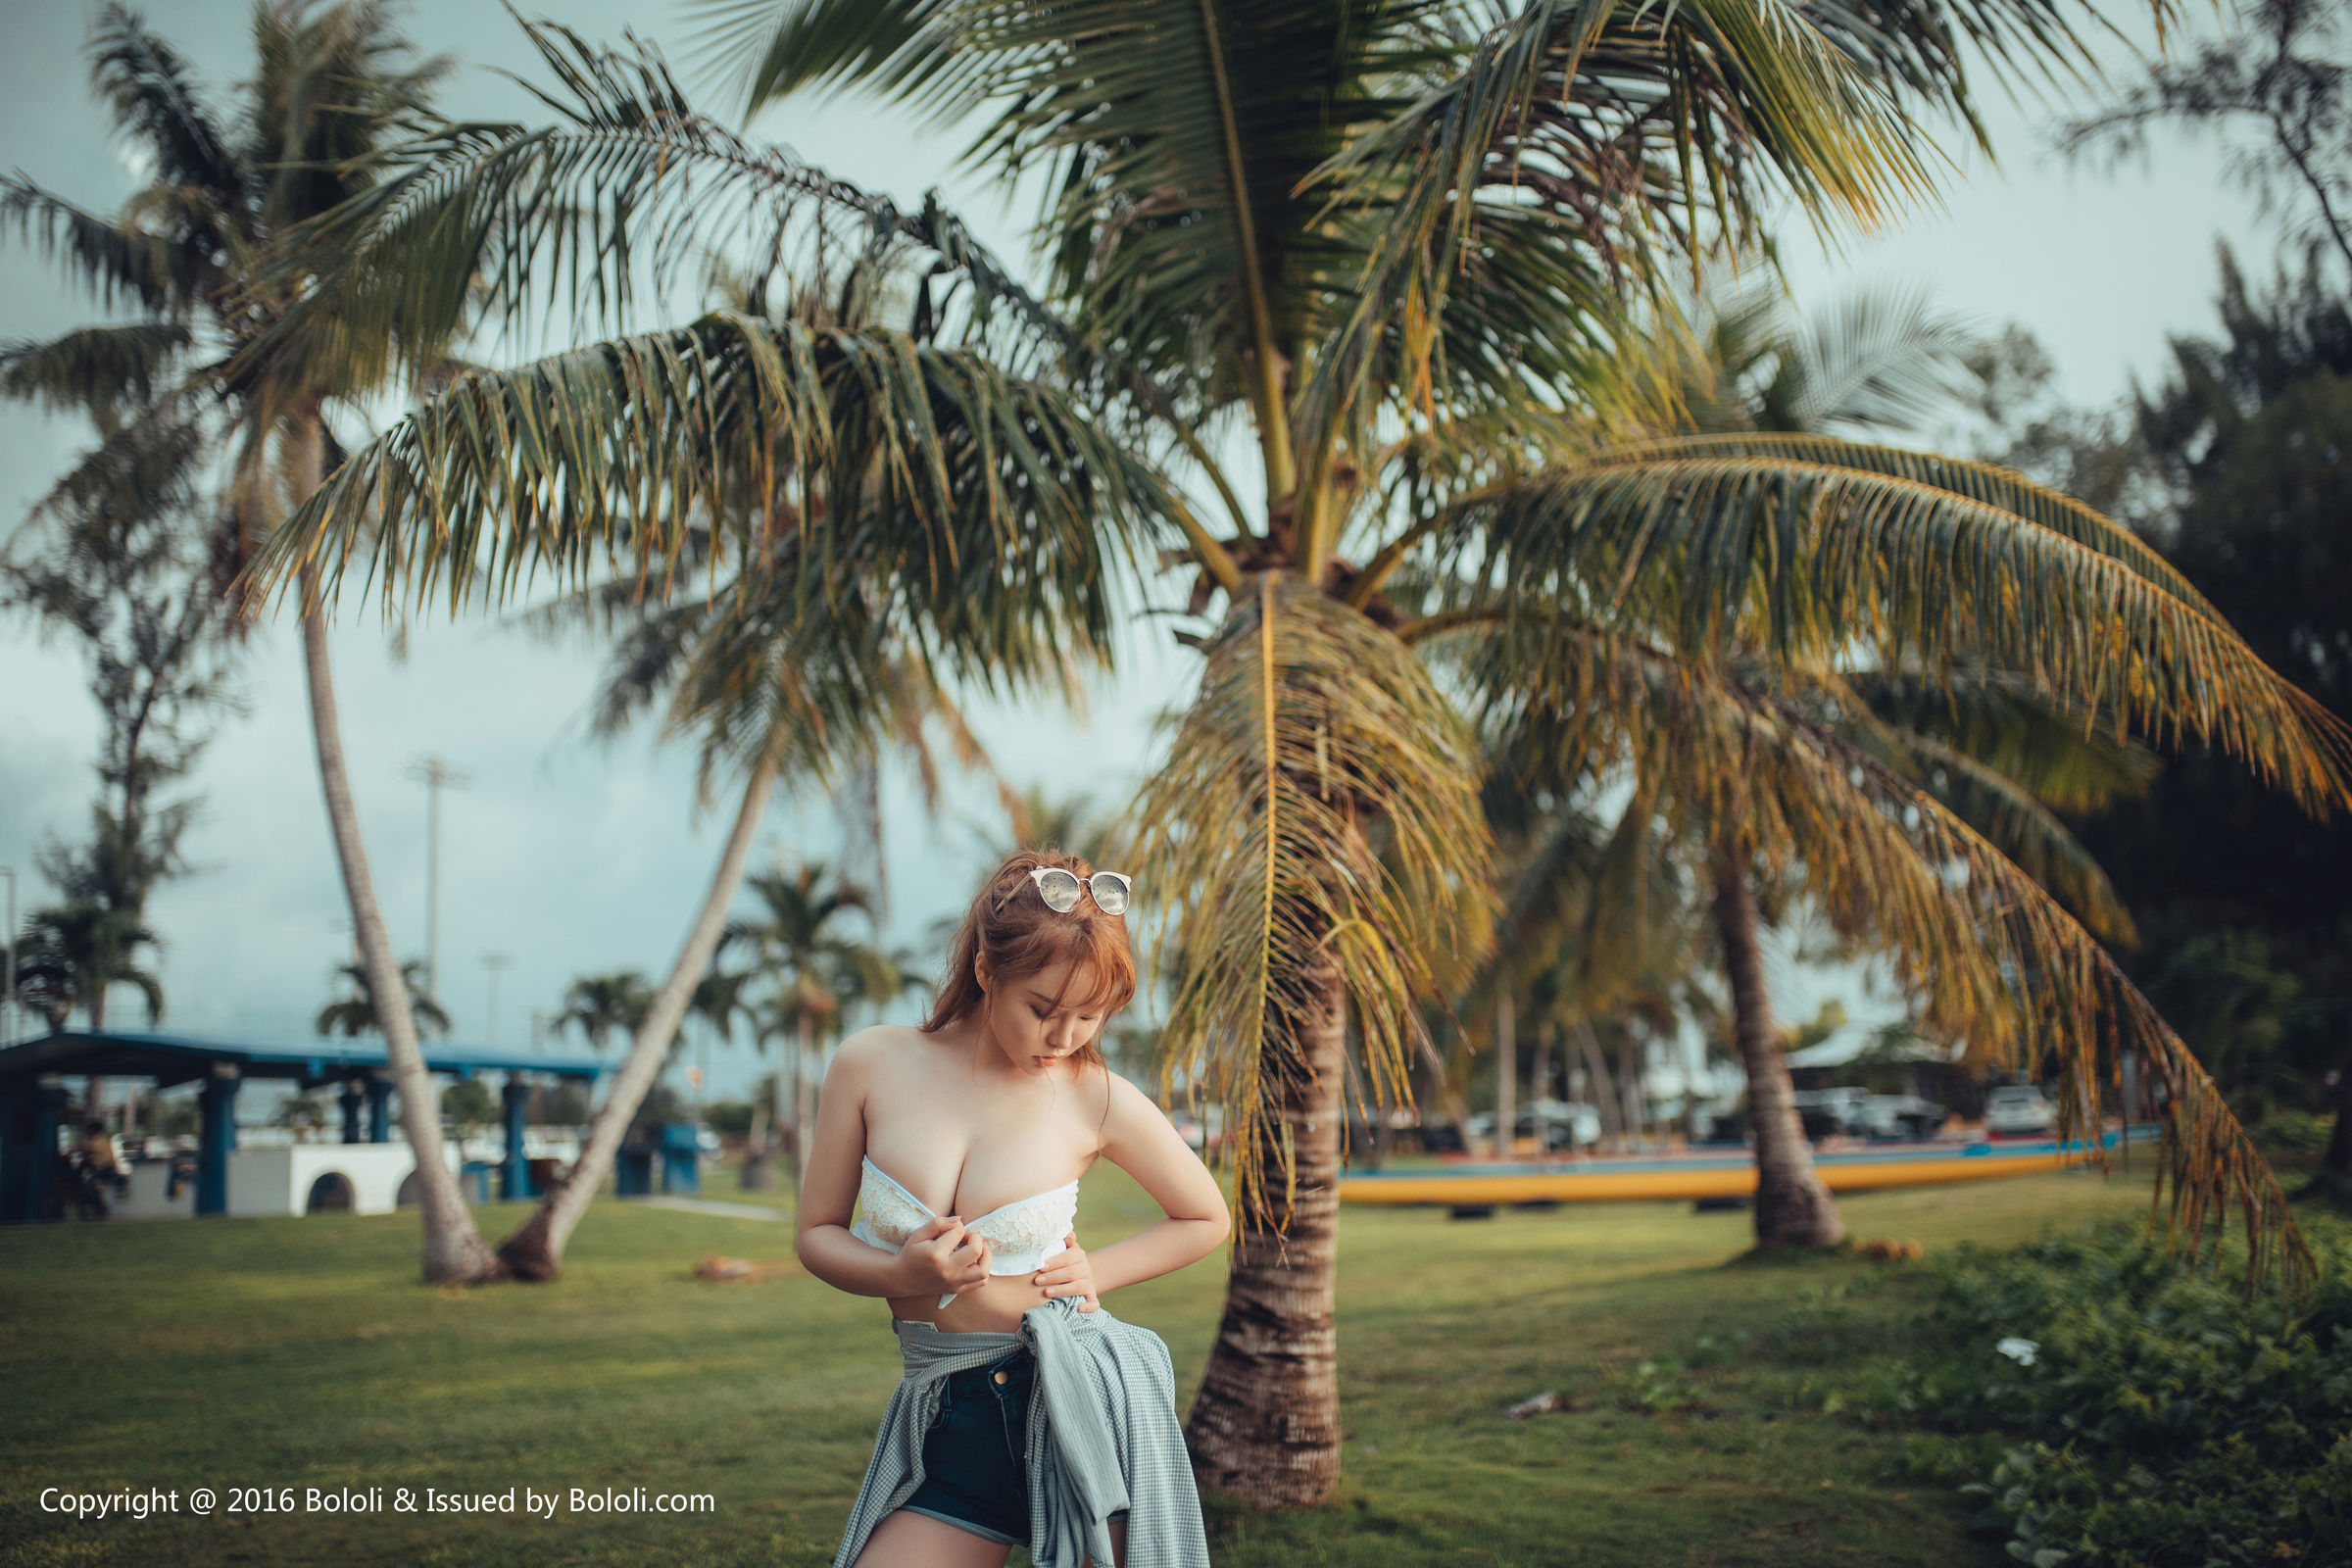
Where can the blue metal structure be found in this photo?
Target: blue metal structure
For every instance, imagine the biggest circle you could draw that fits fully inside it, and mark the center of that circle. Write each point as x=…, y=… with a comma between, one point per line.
x=32, y=1098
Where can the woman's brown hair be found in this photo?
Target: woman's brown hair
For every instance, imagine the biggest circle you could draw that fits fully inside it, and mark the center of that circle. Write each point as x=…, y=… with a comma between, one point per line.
x=1010, y=922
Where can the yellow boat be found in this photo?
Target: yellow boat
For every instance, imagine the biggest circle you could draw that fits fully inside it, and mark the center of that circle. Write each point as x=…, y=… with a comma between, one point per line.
x=1730, y=1173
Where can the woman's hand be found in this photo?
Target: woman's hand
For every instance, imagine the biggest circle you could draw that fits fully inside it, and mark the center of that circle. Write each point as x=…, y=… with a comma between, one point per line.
x=1069, y=1273
x=942, y=1256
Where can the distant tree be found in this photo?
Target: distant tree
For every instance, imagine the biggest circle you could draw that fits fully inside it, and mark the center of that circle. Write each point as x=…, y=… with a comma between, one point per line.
x=355, y=1014
x=240, y=344
x=303, y=1112
x=600, y=1006
x=661, y=1105
x=2283, y=72
x=563, y=1104
x=469, y=1105
x=67, y=958
x=812, y=968
x=730, y=1118
x=109, y=557
x=2248, y=443
x=1036, y=818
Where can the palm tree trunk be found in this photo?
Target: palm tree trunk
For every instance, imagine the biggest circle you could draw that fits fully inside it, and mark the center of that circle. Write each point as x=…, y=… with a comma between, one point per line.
x=1629, y=1083
x=1507, y=1077
x=1266, y=1426
x=1793, y=1208
x=1604, y=1088
x=453, y=1250
x=536, y=1251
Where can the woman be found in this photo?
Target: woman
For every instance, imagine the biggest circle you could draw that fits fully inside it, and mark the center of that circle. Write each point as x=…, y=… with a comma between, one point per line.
x=1026, y=1413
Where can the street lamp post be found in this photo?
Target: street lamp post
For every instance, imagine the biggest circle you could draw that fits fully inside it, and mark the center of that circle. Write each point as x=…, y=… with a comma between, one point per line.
x=494, y=962
x=8, y=996
x=432, y=772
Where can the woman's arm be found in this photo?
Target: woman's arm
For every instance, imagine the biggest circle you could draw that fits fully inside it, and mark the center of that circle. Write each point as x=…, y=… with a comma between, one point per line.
x=937, y=1259
x=1137, y=1137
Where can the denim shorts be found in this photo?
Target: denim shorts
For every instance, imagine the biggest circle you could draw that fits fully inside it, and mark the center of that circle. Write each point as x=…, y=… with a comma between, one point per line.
x=975, y=1456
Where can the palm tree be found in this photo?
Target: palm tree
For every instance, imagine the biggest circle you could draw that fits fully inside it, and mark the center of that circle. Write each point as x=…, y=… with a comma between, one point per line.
x=1036, y=818
x=812, y=971
x=356, y=1014
x=600, y=1006
x=69, y=956
x=796, y=665
x=227, y=368
x=1384, y=246
x=1998, y=756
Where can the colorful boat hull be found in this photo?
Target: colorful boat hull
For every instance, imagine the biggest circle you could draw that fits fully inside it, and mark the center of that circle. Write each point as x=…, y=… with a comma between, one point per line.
x=1728, y=1174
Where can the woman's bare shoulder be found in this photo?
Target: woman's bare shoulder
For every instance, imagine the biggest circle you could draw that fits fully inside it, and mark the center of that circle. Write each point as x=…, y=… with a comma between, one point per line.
x=883, y=1048
x=1126, y=1109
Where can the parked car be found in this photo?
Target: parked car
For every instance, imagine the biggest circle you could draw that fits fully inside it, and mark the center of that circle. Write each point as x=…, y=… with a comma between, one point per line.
x=1441, y=1138
x=1567, y=1124
x=1903, y=1116
x=1829, y=1113
x=2019, y=1111
x=706, y=1144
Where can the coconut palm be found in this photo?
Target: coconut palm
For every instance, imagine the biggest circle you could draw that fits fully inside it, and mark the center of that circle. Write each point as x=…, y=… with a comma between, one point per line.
x=223, y=371
x=1381, y=248
x=70, y=956
x=356, y=1014
x=600, y=1005
x=1985, y=742
x=813, y=970
x=797, y=663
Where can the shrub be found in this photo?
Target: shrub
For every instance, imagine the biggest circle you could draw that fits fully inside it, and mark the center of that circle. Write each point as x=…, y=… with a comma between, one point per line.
x=2116, y=1406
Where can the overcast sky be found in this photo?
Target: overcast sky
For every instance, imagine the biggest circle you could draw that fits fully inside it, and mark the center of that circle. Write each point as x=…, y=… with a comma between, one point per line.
x=572, y=857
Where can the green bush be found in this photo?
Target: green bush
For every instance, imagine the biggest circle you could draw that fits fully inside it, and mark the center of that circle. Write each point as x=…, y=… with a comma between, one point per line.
x=731, y=1118
x=2295, y=1131
x=2116, y=1406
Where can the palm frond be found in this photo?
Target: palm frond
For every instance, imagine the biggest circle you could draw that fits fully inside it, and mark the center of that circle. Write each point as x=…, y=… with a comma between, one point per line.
x=94, y=370
x=1706, y=549
x=2003, y=722
x=2013, y=818
x=929, y=474
x=630, y=184
x=1996, y=960
x=151, y=91
x=1634, y=131
x=1319, y=805
x=1875, y=360
x=771, y=49
x=114, y=260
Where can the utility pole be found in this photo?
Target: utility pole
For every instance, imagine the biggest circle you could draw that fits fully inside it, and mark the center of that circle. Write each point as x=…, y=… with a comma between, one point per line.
x=494, y=962
x=8, y=996
x=432, y=772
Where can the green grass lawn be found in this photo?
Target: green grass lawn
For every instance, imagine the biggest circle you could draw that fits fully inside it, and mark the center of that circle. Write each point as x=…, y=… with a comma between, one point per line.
x=302, y=1353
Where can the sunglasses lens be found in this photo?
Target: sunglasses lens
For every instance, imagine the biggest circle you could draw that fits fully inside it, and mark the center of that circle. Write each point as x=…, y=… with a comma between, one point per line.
x=1061, y=889
x=1110, y=894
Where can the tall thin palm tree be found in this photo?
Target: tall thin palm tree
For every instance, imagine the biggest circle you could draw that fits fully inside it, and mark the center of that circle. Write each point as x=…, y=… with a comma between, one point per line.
x=225, y=372
x=814, y=969
x=1383, y=247
x=790, y=663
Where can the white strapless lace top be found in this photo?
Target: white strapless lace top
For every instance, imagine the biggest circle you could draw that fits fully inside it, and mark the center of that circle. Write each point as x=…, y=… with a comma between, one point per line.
x=1020, y=1234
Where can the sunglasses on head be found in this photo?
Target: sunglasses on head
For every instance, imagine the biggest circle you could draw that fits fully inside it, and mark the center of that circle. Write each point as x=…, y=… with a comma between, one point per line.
x=1061, y=889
